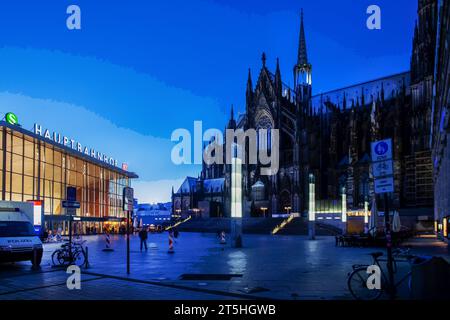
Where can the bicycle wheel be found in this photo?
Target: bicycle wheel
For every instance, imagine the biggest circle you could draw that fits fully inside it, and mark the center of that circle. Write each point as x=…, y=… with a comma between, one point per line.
x=58, y=257
x=78, y=258
x=357, y=285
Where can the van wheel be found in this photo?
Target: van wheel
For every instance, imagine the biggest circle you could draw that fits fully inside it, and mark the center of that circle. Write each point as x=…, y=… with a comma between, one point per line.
x=38, y=261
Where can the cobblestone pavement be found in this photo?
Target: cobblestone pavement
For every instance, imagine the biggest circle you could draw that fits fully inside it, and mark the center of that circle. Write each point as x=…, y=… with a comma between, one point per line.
x=280, y=267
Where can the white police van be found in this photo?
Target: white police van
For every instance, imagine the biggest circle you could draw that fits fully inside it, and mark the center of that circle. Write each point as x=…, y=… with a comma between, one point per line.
x=18, y=239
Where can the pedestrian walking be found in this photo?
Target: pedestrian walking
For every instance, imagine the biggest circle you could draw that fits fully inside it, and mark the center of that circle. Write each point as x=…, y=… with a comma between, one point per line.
x=143, y=235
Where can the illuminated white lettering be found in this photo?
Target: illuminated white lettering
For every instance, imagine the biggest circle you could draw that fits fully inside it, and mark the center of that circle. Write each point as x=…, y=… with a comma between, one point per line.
x=47, y=135
x=37, y=129
x=56, y=137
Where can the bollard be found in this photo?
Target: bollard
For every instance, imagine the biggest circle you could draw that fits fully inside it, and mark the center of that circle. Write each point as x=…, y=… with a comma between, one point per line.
x=35, y=266
x=108, y=244
x=170, y=244
x=86, y=262
x=222, y=238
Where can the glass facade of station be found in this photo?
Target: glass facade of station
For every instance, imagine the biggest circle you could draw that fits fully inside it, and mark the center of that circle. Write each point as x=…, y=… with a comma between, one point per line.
x=35, y=169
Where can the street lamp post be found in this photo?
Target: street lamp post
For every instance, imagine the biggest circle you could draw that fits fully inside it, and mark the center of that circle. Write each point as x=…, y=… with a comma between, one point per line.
x=264, y=209
x=312, y=208
x=236, y=202
x=344, y=211
x=366, y=213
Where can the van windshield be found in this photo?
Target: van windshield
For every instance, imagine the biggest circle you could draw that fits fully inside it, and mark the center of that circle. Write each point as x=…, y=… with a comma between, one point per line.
x=16, y=229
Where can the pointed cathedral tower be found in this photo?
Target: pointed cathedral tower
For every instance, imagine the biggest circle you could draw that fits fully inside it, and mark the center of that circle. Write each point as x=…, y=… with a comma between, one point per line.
x=302, y=70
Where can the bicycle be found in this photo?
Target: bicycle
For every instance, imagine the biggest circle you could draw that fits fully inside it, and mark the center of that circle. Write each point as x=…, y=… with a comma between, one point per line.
x=63, y=255
x=357, y=279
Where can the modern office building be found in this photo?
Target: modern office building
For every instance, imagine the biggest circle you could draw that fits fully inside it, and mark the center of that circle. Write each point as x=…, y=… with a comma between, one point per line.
x=40, y=165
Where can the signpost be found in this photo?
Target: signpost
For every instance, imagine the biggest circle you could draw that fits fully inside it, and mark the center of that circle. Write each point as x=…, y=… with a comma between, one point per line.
x=128, y=202
x=71, y=204
x=382, y=170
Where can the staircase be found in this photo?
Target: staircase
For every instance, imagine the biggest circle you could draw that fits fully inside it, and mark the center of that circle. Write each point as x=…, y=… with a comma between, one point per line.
x=299, y=226
x=214, y=225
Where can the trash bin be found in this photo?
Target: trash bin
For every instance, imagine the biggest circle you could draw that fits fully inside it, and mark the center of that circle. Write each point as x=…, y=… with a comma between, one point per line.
x=430, y=279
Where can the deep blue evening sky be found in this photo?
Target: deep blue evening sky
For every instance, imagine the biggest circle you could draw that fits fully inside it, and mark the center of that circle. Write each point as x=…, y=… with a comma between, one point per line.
x=140, y=69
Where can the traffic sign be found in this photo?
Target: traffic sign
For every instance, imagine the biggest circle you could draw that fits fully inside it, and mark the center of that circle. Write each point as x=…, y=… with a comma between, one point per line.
x=381, y=150
x=71, y=193
x=70, y=204
x=384, y=185
x=382, y=168
x=128, y=199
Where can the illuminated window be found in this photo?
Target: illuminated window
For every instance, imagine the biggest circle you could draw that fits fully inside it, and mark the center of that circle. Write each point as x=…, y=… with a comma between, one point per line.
x=28, y=185
x=29, y=148
x=17, y=163
x=28, y=166
x=16, y=183
x=444, y=227
x=17, y=143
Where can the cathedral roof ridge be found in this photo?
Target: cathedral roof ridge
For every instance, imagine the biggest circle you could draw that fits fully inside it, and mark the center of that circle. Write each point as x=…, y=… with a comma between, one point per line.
x=362, y=83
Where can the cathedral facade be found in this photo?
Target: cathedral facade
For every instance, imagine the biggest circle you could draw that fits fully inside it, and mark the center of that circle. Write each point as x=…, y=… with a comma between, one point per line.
x=327, y=138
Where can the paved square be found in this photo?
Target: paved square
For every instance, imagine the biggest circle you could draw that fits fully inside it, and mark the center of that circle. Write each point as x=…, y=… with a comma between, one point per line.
x=277, y=267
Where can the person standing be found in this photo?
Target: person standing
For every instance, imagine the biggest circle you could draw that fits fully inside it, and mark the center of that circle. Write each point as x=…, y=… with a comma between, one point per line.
x=143, y=235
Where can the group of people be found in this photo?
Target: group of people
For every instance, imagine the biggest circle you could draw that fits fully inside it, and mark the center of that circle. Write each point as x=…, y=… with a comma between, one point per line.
x=143, y=236
x=51, y=236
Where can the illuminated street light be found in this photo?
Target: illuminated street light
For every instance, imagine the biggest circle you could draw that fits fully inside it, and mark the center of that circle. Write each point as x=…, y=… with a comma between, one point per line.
x=366, y=211
x=312, y=208
x=344, y=211
x=264, y=209
x=236, y=202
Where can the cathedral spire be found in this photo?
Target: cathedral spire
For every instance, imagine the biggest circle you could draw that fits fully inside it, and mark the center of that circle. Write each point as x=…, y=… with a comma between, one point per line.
x=302, y=70
x=232, y=122
x=249, y=81
x=249, y=92
x=302, y=58
x=278, y=83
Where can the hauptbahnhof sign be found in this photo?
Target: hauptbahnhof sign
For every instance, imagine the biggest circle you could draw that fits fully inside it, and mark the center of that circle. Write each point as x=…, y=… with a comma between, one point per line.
x=73, y=144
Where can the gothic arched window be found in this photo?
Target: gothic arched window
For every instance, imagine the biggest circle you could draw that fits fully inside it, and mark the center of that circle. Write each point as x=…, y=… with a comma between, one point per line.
x=264, y=138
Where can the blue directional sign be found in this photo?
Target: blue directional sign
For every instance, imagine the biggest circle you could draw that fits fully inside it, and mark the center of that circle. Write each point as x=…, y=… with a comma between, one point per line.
x=381, y=150
x=384, y=185
x=71, y=193
x=128, y=199
x=70, y=204
x=382, y=168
